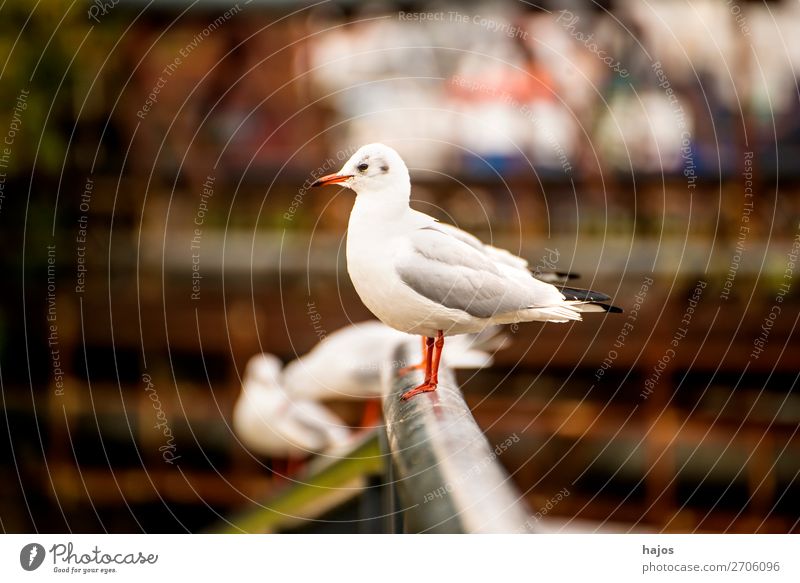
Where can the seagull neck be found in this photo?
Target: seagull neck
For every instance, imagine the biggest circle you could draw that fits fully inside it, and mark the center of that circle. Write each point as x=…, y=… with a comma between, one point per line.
x=380, y=206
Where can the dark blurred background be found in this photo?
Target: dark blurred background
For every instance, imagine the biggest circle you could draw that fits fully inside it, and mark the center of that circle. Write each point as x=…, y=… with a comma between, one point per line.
x=155, y=225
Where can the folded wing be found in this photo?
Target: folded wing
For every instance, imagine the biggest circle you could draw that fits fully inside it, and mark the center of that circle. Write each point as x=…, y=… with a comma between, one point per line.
x=449, y=270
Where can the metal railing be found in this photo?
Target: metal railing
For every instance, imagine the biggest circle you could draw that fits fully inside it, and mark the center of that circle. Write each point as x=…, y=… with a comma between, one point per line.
x=446, y=473
x=431, y=471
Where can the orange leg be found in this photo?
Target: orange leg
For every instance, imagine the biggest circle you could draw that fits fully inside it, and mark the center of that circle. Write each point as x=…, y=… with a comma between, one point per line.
x=280, y=471
x=437, y=357
x=372, y=413
x=433, y=357
x=420, y=365
x=293, y=467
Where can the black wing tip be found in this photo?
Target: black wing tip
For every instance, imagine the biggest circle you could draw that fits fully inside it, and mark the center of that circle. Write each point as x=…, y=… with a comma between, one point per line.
x=562, y=275
x=583, y=295
x=609, y=308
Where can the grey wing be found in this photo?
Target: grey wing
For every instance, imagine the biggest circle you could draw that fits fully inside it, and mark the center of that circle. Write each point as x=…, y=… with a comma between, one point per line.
x=495, y=253
x=451, y=272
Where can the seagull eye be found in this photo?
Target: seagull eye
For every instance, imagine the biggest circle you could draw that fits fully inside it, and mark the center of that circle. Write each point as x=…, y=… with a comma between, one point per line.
x=362, y=167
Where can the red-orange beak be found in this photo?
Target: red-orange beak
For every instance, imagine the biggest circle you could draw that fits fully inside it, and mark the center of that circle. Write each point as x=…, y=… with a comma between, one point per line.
x=331, y=179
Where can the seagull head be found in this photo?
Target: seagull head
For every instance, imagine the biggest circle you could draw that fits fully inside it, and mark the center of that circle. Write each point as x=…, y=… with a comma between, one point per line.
x=264, y=370
x=373, y=170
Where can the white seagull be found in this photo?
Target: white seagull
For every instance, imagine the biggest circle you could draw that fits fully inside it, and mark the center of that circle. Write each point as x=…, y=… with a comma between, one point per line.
x=272, y=423
x=348, y=363
x=424, y=277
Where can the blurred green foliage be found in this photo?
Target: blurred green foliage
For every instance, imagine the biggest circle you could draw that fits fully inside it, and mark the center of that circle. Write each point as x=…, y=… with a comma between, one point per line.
x=52, y=50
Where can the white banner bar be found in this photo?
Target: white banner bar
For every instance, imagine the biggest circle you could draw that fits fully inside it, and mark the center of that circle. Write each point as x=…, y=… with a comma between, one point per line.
x=401, y=558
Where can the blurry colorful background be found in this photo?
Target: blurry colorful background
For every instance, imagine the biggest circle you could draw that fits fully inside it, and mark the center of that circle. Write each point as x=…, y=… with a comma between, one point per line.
x=157, y=229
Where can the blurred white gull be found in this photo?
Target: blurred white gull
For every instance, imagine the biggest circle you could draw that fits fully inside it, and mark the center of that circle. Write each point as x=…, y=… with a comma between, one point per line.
x=348, y=363
x=272, y=423
x=422, y=278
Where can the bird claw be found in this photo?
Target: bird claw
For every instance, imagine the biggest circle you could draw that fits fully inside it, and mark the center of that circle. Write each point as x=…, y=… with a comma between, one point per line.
x=423, y=388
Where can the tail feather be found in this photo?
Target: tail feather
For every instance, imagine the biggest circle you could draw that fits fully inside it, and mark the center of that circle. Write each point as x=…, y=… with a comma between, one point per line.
x=584, y=307
x=563, y=313
x=597, y=307
x=569, y=310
